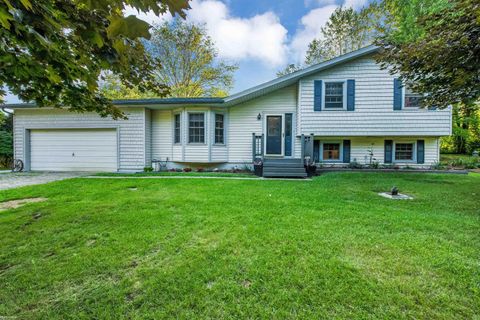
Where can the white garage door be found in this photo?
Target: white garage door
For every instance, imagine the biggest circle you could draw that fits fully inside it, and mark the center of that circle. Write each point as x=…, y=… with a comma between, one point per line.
x=73, y=150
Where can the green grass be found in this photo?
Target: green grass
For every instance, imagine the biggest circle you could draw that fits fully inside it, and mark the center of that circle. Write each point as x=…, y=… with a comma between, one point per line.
x=186, y=174
x=204, y=248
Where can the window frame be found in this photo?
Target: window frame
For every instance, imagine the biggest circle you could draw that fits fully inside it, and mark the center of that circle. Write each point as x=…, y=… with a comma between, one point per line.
x=179, y=128
x=340, y=154
x=344, y=95
x=414, y=152
x=204, y=127
x=223, y=143
x=404, y=100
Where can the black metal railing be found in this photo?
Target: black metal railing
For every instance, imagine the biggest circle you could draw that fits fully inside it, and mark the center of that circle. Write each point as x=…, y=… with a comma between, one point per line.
x=257, y=146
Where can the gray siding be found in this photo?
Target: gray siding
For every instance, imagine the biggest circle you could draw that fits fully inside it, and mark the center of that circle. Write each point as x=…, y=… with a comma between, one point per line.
x=131, y=132
x=374, y=114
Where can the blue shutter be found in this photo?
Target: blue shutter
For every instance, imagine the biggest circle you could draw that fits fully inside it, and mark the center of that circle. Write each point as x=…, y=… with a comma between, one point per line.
x=346, y=151
x=388, y=151
x=397, y=94
x=317, y=96
x=420, y=151
x=350, y=95
x=316, y=151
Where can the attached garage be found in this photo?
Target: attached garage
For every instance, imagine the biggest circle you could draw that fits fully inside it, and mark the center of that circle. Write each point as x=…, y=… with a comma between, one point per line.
x=73, y=150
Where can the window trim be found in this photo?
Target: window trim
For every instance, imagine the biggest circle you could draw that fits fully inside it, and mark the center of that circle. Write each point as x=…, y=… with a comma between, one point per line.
x=204, y=128
x=340, y=156
x=414, y=152
x=215, y=143
x=179, y=114
x=324, y=92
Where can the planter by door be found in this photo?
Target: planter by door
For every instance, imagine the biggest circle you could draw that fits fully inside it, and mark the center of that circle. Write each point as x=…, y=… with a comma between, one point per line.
x=274, y=135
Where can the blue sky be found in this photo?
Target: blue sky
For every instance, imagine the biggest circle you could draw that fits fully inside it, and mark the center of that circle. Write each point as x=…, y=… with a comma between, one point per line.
x=261, y=36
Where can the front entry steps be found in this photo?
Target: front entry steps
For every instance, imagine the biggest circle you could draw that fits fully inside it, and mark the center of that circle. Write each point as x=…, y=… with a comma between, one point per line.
x=283, y=168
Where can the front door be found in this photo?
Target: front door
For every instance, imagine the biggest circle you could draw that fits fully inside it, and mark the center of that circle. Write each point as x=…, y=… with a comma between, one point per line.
x=274, y=135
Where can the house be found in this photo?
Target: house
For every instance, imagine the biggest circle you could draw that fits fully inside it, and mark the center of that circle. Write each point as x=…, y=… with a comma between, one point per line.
x=340, y=111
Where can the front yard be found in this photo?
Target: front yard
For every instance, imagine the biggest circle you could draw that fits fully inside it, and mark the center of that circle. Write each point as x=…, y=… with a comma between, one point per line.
x=212, y=248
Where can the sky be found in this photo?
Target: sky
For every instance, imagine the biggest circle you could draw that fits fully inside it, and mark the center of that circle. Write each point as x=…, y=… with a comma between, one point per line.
x=261, y=36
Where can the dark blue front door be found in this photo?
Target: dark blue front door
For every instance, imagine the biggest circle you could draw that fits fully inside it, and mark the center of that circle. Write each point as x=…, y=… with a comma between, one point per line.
x=274, y=135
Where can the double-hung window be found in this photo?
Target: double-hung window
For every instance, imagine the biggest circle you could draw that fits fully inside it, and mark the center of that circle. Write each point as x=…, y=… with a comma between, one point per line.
x=177, y=126
x=196, y=128
x=412, y=100
x=404, y=151
x=219, y=128
x=334, y=96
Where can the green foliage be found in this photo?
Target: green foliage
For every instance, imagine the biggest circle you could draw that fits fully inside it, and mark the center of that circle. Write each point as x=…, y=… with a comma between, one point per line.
x=190, y=63
x=53, y=52
x=6, y=139
x=346, y=30
x=434, y=46
x=465, y=136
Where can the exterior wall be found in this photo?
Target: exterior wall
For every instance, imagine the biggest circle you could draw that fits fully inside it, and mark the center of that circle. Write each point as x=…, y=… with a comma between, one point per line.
x=361, y=145
x=131, y=132
x=243, y=122
x=148, y=137
x=163, y=132
x=374, y=114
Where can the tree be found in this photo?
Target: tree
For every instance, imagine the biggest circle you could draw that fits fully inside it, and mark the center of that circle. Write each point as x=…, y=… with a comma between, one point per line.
x=436, y=51
x=53, y=52
x=345, y=31
x=6, y=139
x=291, y=68
x=191, y=67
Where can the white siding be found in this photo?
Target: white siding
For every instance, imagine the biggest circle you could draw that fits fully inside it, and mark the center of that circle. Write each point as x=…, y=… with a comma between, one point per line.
x=162, y=134
x=243, y=121
x=361, y=145
x=131, y=131
x=374, y=114
x=148, y=138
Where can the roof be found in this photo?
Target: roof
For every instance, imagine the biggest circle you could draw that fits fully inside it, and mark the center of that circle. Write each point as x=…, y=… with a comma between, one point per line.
x=242, y=96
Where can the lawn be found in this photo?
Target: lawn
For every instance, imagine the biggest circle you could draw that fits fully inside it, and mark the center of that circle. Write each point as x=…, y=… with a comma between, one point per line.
x=213, y=248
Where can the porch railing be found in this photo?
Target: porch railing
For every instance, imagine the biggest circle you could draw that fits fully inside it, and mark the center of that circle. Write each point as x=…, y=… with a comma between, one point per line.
x=307, y=149
x=257, y=146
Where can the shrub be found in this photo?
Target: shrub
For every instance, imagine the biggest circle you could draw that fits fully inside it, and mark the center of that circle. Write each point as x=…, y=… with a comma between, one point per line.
x=147, y=169
x=355, y=165
x=437, y=166
x=375, y=165
x=187, y=169
x=200, y=169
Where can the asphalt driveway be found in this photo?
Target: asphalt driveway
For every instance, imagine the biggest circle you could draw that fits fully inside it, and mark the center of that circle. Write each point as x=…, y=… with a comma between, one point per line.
x=14, y=180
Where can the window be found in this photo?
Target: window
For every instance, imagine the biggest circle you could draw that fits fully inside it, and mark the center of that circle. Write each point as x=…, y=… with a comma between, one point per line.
x=333, y=95
x=331, y=152
x=176, y=134
x=219, y=129
x=196, y=128
x=404, y=151
x=412, y=99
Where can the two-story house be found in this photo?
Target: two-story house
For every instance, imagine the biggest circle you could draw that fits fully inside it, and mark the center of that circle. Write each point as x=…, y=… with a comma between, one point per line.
x=336, y=112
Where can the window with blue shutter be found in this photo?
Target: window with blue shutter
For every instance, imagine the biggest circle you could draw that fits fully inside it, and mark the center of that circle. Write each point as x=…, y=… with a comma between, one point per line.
x=346, y=151
x=317, y=96
x=420, y=151
x=388, y=151
x=350, y=95
x=397, y=94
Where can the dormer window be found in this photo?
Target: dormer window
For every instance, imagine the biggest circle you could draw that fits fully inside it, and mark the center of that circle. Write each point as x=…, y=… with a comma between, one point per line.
x=412, y=100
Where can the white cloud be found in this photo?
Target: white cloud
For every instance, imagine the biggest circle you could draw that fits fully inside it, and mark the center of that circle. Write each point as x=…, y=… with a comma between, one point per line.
x=355, y=4
x=260, y=37
x=311, y=23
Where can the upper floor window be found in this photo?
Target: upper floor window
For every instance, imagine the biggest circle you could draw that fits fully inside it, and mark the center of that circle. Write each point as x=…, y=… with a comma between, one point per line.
x=404, y=151
x=176, y=134
x=219, y=128
x=196, y=128
x=412, y=99
x=334, y=95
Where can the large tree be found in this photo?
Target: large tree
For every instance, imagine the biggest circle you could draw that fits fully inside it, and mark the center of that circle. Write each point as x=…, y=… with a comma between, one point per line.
x=52, y=52
x=346, y=30
x=434, y=45
x=6, y=139
x=190, y=63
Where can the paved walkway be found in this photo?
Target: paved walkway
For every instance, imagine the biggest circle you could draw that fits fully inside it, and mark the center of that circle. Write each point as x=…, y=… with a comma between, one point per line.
x=15, y=180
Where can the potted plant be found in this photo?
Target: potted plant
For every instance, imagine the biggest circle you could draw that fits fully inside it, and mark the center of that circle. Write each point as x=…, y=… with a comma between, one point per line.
x=258, y=167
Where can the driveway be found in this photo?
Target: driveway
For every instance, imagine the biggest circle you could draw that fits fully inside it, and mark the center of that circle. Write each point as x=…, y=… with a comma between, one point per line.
x=15, y=180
